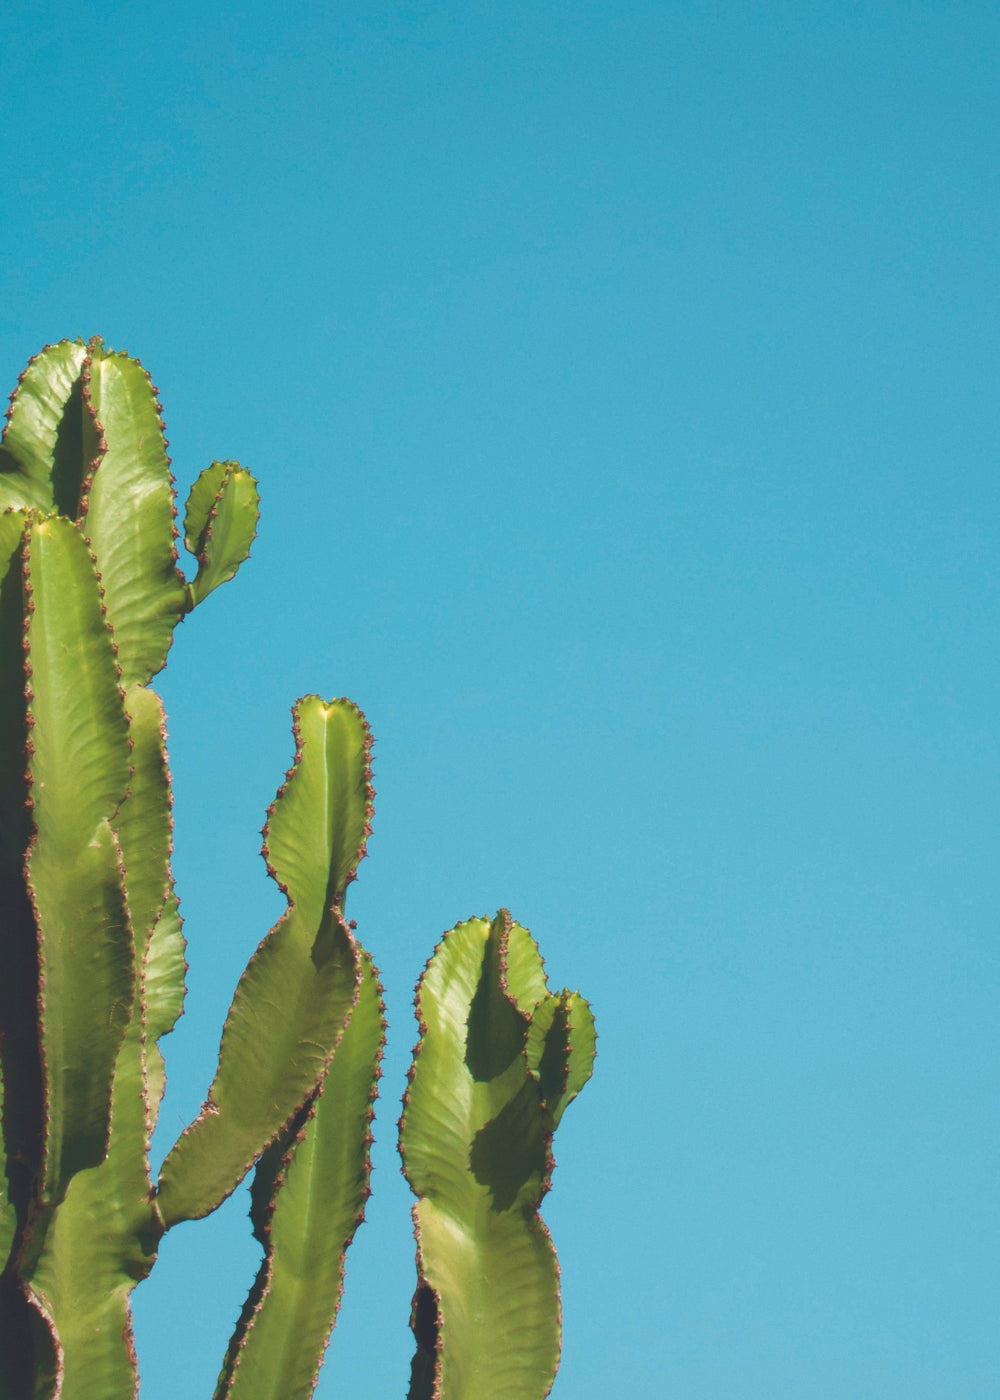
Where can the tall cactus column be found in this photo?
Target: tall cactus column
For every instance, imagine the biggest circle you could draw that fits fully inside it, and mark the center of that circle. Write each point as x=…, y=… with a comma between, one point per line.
x=90, y=594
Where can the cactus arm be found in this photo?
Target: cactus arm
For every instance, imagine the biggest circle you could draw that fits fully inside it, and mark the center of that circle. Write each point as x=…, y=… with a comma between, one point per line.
x=309, y=1194
x=79, y=770
x=200, y=504
x=318, y=826
x=562, y=1044
x=48, y=435
x=127, y=512
x=297, y=991
x=486, y=1312
x=220, y=525
x=524, y=970
x=299, y=987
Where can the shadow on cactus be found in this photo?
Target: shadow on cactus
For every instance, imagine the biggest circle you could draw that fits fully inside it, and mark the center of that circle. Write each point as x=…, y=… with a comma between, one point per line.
x=92, y=971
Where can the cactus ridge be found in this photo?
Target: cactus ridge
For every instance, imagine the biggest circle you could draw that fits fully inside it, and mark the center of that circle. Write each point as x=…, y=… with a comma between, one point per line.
x=220, y=525
x=19, y=1049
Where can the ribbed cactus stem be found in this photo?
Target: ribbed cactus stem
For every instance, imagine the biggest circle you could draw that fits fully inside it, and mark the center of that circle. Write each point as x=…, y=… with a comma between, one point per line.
x=300, y=986
x=475, y=1138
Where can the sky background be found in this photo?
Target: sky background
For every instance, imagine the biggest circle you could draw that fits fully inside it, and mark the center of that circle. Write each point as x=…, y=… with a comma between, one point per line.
x=621, y=380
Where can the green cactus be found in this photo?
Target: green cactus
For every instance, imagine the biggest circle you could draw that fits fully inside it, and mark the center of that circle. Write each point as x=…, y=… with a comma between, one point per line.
x=498, y=1060
x=92, y=970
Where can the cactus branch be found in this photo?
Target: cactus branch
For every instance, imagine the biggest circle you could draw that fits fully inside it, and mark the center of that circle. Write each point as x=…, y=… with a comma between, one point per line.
x=309, y=1194
x=475, y=1139
x=299, y=987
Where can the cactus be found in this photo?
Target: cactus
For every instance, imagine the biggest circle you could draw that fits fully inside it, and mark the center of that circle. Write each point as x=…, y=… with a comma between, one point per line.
x=498, y=1060
x=92, y=970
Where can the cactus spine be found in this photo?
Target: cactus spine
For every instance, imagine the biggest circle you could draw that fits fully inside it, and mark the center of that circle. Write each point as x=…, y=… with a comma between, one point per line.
x=92, y=970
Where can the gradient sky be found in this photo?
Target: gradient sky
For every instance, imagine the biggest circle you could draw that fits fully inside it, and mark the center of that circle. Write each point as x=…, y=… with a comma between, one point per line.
x=621, y=380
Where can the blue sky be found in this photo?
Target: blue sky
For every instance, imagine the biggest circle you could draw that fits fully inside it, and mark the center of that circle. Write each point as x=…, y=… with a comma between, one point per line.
x=621, y=382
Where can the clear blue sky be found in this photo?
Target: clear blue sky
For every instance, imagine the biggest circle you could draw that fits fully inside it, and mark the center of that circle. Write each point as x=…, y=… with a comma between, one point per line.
x=622, y=384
